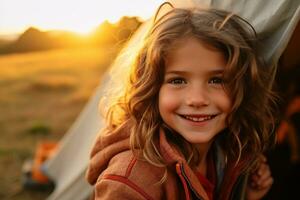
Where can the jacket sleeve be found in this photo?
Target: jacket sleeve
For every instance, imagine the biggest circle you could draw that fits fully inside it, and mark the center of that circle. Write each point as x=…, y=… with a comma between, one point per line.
x=118, y=187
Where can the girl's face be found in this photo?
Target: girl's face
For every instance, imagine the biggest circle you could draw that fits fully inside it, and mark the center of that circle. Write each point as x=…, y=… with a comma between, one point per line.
x=192, y=99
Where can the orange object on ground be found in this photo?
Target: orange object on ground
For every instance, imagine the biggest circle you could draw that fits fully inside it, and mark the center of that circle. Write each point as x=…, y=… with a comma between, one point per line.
x=44, y=151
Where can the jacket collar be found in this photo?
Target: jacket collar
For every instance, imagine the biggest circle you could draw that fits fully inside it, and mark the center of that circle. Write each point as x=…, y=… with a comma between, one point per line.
x=227, y=173
x=174, y=157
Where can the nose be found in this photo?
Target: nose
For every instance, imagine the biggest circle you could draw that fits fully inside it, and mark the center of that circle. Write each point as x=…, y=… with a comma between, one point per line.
x=197, y=97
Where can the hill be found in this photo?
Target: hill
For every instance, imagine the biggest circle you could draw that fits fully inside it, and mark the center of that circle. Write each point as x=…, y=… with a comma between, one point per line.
x=106, y=34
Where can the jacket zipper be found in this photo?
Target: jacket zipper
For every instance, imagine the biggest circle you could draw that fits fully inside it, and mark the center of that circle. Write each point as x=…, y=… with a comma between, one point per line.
x=185, y=181
x=185, y=187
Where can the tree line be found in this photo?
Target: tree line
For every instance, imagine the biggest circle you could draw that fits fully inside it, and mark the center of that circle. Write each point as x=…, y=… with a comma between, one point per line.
x=105, y=34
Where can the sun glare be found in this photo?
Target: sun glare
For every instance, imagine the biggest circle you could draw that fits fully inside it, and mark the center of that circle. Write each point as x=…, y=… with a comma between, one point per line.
x=81, y=16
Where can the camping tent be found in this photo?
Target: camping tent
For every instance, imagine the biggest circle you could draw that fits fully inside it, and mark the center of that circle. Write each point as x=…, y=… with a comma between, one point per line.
x=274, y=21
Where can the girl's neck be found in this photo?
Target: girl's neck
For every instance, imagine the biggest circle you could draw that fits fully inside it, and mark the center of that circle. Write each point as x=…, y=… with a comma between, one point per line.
x=202, y=166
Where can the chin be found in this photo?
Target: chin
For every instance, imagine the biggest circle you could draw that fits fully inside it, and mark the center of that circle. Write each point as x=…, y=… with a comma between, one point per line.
x=203, y=140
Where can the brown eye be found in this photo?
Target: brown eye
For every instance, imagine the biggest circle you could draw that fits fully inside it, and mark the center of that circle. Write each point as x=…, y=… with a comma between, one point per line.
x=177, y=81
x=216, y=80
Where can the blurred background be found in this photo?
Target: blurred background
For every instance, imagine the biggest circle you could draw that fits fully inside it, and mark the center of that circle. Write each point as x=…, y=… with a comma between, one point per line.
x=53, y=54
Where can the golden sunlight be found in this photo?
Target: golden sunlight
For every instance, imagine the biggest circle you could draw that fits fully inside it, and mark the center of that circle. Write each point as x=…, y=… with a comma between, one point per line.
x=81, y=16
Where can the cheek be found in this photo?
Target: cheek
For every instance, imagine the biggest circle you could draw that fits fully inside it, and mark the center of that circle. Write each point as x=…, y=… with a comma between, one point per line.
x=167, y=102
x=221, y=100
x=224, y=103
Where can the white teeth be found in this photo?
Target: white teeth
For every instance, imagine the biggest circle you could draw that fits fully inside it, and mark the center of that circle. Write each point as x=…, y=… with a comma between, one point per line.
x=198, y=119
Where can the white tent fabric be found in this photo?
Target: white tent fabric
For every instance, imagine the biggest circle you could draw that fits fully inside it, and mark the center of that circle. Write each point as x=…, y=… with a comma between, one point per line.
x=273, y=20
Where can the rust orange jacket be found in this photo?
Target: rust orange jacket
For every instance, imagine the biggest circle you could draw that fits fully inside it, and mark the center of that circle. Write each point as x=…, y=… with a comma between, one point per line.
x=118, y=174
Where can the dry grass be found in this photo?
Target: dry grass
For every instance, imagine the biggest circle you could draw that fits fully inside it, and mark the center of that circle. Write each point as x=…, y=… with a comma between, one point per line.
x=46, y=89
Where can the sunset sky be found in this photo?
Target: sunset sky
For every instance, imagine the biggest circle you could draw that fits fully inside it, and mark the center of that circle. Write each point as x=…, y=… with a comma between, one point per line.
x=81, y=16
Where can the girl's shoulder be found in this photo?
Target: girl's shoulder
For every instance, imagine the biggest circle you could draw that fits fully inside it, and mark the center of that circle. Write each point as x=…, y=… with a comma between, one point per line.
x=127, y=175
x=125, y=164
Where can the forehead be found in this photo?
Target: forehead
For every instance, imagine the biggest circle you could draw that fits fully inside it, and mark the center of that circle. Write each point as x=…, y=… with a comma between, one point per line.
x=192, y=52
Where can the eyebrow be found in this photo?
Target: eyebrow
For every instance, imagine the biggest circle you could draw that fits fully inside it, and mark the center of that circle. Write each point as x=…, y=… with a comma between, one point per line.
x=182, y=72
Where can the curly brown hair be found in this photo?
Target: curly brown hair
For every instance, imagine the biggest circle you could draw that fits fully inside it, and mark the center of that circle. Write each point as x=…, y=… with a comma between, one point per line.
x=248, y=82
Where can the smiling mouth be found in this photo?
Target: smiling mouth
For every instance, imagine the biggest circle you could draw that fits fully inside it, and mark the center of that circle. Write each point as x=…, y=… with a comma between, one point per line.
x=198, y=118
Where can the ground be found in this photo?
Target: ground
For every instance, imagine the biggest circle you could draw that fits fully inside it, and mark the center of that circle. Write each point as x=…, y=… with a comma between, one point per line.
x=41, y=94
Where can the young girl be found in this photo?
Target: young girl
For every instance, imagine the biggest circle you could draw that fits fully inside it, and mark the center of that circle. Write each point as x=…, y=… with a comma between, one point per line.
x=195, y=117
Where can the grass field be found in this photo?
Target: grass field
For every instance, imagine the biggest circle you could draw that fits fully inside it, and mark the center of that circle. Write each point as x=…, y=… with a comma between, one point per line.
x=41, y=94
